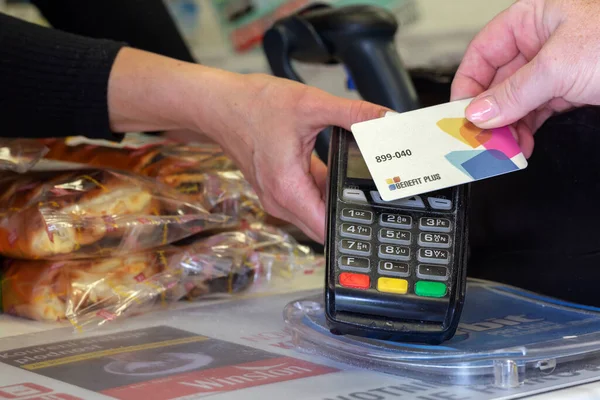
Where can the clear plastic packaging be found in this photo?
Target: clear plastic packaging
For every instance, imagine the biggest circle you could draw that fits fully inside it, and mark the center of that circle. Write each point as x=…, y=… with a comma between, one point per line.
x=201, y=172
x=153, y=158
x=90, y=293
x=20, y=155
x=92, y=213
x=506, y=335
x=221, y=192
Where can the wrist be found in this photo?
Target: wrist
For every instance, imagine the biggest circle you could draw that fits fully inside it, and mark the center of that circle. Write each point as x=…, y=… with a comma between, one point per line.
x=148, y=92
x=220, y=102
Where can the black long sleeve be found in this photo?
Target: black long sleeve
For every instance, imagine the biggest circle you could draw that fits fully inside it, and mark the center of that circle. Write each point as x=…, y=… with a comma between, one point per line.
x=143, y=24
x=53, y=83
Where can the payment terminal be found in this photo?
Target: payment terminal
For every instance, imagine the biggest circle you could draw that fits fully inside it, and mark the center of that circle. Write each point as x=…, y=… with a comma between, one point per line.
x=395, y=270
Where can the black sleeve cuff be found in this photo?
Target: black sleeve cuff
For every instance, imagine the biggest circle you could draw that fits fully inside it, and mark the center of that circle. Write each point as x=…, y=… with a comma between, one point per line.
x=53, y=84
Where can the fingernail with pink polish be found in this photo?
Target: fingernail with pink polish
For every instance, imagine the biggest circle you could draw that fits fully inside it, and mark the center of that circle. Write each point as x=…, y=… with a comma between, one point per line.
x=482, y=110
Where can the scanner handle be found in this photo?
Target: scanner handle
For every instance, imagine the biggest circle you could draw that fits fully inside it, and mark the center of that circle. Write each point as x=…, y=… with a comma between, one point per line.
x=292, y=38
x=379, y=75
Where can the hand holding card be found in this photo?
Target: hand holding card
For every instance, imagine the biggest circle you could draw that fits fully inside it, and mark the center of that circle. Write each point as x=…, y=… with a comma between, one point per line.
x=433, y=148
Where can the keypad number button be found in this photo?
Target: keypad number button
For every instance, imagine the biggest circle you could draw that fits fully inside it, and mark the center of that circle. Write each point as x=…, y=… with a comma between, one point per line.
x=396, y=221
x=392, y=268
x=439, y=240
x=434, y=256
x=356, y=231
x=358, y=264
x=391, y=252
x=357, y=247
x=435, y=224
x=394, y=236
x=432, y=272
x=354, y=215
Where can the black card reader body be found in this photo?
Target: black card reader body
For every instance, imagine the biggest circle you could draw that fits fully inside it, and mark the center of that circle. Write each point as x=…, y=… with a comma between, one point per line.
x=395, y=270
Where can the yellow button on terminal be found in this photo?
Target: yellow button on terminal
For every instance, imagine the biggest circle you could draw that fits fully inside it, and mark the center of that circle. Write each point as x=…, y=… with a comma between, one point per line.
x=392, y=285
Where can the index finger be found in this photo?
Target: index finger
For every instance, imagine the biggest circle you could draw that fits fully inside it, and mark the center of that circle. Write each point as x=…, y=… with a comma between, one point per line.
x=491, y=48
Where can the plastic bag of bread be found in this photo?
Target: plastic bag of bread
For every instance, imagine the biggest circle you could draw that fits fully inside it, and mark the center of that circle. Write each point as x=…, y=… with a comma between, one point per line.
x=90, y=293
x=202, y=172
x=20, y=155
x=142, y=154
x=221, y=192
x=90, y=213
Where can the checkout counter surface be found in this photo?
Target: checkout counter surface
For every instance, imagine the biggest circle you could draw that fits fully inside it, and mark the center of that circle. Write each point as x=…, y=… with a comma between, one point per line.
x=221, y=349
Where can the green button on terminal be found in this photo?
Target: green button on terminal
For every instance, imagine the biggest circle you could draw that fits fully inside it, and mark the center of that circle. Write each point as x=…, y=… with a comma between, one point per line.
x=430, y=289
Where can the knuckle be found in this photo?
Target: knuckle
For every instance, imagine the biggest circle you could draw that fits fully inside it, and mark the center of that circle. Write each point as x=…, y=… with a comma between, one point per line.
x=307, y=101
x=511, y=92
x=543, y=65
x=559, y=75
x=356, y=110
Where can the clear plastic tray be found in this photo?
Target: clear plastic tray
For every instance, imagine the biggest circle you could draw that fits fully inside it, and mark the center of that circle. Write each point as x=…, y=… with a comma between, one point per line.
x=506, y=336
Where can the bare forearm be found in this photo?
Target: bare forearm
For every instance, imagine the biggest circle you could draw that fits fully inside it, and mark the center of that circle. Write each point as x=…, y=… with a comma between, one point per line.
x=145, y=92
x=148, y=92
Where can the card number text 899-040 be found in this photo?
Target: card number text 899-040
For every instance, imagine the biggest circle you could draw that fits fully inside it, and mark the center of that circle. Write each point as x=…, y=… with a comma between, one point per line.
x=391, y=156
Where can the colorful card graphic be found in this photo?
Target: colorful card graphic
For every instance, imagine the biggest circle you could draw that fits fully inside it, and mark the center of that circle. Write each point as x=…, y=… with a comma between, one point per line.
x=498, y=144
x=433, y=148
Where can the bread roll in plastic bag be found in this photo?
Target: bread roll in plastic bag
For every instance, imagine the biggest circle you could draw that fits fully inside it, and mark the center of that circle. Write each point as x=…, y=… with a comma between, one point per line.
x=222, y=192
x=91, y=213
x=202, y=172
x=156, y=158
x=90, y=293
x=20, y=155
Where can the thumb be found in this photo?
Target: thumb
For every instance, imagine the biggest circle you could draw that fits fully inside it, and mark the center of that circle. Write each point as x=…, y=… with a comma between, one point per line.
x=347, y=112
x=514, y=98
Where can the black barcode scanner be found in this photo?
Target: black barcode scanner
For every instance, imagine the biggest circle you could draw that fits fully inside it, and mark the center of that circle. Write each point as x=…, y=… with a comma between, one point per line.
x=395, y=270
x=359, y=37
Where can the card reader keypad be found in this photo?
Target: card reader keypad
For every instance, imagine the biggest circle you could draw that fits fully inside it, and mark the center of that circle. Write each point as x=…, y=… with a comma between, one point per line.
x=391, y=252
x=358, y=247
x=398, y=253
x=392, y=268
x=395, y=236
x=359, y=264
x=356, y=231
x=435, y=256
x=395, y=220
x=438, y=240
x=430, y=224
x=357, y=215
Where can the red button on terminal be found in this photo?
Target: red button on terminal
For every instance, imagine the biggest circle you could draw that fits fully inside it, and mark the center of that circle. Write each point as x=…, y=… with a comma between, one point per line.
x=355, y=281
